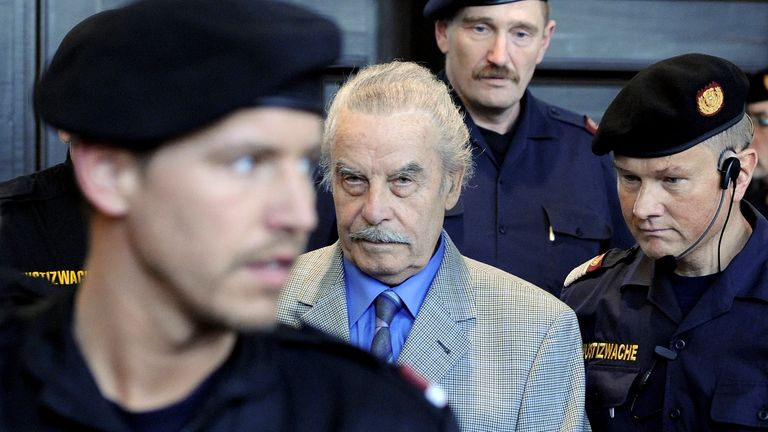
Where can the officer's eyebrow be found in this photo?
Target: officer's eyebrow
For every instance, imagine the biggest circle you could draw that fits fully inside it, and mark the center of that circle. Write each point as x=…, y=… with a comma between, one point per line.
x=670, y=170
x=263, y=149
x=517, y=24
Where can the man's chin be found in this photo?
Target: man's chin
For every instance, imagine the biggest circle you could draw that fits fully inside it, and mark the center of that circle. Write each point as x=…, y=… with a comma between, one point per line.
x=657, y=252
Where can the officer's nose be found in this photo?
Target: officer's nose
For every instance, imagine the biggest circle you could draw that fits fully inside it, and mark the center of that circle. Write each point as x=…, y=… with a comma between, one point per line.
x=498, y=53
x=647, y=203
x=294, y=208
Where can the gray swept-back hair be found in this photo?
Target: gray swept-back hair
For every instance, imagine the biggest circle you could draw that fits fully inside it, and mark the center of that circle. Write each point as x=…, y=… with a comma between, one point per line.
x=397, y=87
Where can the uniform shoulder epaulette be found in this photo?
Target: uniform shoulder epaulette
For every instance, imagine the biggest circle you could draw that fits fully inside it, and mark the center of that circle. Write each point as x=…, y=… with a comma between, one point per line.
x=17, y=187
x=606, y=260
x=571, y=118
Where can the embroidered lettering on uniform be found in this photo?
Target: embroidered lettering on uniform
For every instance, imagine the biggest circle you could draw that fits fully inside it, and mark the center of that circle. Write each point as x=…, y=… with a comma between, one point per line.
x=63, y=277
x=610, y=351
x=60, y=277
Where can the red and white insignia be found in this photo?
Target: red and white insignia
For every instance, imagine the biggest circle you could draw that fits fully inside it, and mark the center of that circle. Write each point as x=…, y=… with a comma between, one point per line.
x=590, y=125
x=596, y=263
x=589, y=266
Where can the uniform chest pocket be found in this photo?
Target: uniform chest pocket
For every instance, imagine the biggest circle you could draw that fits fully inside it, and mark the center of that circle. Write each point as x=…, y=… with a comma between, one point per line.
x=608, y=386
x=577, y=222
x=741, y=402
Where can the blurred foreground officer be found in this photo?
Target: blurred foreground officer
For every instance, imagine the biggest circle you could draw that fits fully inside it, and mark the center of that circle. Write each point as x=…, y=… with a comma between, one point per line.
x=193, y=121
x=673, y=329
x=541, y=202
x=395, y=154
x=43, y=230
x=757, y=108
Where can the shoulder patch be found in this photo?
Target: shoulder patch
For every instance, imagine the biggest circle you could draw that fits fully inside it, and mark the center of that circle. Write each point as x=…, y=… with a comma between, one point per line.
x=566, y=116
x=607, y=260
x=587, y=267
x=590, y=125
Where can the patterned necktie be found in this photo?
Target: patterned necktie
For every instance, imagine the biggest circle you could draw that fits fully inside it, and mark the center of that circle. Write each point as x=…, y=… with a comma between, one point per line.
x=387, y=305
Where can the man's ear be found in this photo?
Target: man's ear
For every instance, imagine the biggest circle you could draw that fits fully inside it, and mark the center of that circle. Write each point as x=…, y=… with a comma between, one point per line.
x=441, y=35
x=549, y=30
x=107, y=176
x=748, y=163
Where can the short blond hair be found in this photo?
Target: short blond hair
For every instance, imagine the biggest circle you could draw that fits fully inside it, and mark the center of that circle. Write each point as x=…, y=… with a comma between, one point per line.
x=735, y=138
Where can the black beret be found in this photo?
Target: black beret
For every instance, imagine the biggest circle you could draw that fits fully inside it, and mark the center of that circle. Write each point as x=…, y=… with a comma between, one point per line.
x=439, y=9
x=672, y=106
x=157, y=69
x=758, y=87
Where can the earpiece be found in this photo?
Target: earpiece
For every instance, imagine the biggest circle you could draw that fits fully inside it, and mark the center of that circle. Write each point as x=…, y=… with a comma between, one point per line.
x=729, y=171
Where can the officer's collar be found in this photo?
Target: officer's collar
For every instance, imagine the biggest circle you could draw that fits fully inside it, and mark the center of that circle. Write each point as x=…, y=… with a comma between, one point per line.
x=639, y=271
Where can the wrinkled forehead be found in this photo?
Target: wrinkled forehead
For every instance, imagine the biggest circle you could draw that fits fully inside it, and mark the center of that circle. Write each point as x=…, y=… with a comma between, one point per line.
x=408, y=129
x=392, y=139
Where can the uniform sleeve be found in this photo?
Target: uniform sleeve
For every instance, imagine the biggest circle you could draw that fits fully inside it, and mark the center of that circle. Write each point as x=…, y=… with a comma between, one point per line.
x=553, y=399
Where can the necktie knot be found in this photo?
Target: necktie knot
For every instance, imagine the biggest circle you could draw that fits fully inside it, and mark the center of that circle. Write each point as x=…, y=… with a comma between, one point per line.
x=388, y=304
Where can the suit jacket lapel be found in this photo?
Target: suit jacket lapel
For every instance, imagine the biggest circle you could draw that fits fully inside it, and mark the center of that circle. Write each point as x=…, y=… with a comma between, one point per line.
x=440, y=334
x=326, y=305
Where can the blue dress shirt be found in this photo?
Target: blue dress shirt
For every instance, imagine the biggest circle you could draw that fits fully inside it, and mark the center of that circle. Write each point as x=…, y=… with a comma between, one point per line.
x=362, y=290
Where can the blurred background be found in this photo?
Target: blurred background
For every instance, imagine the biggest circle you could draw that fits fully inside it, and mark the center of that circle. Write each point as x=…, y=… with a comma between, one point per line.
x=597, y=47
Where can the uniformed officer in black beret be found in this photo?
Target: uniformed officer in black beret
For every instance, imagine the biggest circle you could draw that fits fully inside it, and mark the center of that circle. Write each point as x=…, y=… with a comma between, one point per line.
x=193, y=126
x=541, y=202
x=757, y=108
x=672, y=328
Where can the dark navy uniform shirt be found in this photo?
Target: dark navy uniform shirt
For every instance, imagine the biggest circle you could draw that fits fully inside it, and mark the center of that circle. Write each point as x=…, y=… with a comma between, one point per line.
x=289, y=380
x=549, y=206
x=757, y=195
x=43, y=228
x=710, y=370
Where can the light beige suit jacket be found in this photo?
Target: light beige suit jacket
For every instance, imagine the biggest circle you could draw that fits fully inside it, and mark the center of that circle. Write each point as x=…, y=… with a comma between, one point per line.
x=507, y=353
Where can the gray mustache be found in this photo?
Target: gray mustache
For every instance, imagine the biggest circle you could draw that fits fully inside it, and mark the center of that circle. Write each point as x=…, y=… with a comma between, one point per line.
x=379, y=235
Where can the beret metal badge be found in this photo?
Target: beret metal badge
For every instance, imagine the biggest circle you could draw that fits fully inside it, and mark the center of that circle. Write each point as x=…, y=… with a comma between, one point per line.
x=709, y=100
x=765, y=81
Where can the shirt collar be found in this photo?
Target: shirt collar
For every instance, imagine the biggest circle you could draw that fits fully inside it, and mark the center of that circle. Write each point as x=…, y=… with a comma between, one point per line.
x=362, y=289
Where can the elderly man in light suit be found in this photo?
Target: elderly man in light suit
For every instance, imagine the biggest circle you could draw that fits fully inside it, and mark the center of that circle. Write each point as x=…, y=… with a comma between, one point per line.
x=396, y=156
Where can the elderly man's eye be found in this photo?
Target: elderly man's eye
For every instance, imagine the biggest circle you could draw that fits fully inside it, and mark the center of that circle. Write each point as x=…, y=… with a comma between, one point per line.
x=403, y=181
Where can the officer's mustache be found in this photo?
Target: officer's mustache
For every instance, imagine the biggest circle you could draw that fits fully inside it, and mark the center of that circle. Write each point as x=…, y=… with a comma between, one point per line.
x=375, y=234
x=492, y=71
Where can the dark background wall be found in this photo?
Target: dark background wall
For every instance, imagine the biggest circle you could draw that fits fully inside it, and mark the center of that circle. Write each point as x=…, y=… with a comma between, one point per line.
x=598, y=46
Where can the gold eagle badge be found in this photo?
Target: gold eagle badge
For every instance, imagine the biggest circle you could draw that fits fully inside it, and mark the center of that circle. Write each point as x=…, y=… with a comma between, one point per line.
x=709, y=100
